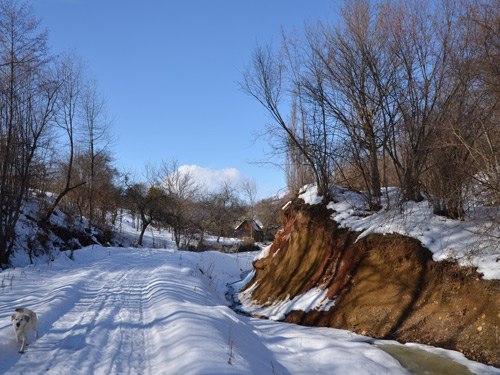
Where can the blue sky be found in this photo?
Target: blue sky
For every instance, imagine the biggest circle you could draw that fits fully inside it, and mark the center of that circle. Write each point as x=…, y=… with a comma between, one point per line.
x=169, y=71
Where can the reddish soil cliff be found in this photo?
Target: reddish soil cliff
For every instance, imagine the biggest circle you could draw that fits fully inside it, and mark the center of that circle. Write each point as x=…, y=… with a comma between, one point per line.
x=385, y=286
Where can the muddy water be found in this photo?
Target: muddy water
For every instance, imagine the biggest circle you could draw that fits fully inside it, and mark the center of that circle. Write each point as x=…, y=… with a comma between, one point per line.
x=419, y=362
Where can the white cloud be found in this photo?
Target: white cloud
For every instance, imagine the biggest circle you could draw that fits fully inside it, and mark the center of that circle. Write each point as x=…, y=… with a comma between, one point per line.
x=212, y=179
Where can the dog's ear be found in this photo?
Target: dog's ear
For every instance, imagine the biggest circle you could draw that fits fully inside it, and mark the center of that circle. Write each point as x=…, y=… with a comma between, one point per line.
x=27, y=318
x=13, y=317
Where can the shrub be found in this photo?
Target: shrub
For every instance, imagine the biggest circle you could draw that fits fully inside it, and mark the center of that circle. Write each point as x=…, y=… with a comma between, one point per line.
x=247, y=246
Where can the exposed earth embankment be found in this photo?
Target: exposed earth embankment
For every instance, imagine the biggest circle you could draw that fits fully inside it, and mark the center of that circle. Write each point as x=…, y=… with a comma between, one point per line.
x=383, y=286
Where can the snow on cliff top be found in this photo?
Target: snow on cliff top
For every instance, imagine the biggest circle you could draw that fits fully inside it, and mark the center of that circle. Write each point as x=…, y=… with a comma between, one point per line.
x=463, y=241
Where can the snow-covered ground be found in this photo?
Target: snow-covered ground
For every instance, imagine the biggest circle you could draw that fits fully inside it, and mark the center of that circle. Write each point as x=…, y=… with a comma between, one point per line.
x=163, y=311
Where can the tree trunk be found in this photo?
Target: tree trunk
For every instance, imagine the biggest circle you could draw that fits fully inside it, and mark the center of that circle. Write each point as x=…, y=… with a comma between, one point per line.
x=144, y=225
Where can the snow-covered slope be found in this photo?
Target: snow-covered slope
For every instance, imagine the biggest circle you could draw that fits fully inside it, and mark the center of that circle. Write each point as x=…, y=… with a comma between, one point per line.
x=37, y=244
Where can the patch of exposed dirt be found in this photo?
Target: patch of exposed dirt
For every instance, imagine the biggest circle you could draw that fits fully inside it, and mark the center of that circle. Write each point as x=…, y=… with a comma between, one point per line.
x=385, y=286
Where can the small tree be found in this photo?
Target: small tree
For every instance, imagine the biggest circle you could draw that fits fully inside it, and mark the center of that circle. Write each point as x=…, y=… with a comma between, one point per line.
x=268, y=211
x=180, y=191
x=225, y=209
x=95, y=125
x=147, y=202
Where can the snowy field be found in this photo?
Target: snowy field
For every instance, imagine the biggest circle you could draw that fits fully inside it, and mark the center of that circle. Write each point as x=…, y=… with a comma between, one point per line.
x=159, y=311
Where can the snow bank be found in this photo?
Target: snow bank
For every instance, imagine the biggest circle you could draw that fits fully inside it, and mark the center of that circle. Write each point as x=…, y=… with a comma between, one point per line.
x=313, y=299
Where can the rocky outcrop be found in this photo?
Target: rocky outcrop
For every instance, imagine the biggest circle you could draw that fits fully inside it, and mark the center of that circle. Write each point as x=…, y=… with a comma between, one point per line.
x=384, y=286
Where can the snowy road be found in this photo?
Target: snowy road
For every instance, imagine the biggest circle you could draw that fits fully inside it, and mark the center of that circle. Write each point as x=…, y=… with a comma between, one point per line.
x=143, y=311
x=91, y=322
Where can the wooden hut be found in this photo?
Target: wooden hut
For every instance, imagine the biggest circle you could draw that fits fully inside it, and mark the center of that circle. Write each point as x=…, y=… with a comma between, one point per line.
x=249, y=228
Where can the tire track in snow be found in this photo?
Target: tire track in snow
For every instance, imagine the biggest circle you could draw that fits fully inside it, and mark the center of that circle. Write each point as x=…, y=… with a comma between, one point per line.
x=103, y=320
x=129, y=337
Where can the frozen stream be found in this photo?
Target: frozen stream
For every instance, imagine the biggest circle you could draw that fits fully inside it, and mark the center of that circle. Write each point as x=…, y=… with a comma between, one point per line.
x=419, y=361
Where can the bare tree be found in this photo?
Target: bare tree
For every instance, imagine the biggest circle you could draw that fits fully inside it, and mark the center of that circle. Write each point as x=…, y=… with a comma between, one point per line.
x=475, y=128
x=483, y=17
x=336, y=79
x=70, y=72
x=28, y=93
x=181, y=190
x=96, y=137
x=225, y=209
x=421, y=36
x=265, y=81
x=297, y=171
x=350, y=73
x=249, y=189
x=147, y=202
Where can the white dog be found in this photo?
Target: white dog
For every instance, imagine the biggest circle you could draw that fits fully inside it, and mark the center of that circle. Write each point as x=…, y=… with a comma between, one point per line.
x=23, y=322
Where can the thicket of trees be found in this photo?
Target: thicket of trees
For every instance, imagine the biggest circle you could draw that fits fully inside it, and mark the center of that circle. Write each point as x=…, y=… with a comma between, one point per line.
x=53, y=129
x=393, y=93
x=173, y=199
